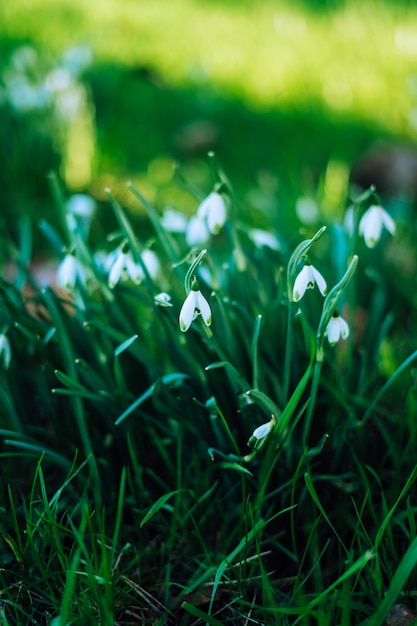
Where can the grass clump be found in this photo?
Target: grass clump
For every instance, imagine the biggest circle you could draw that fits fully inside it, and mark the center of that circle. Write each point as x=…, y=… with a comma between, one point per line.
x=214, y=424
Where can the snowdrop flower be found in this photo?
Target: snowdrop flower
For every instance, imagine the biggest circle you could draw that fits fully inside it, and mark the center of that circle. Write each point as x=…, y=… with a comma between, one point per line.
x=123, y=268
x=349, y=220
x=336, y=329
x=307, y=210
x=259, y=435
x=372, y=223
x=213, y=211
x=77, y=58
x=163, y=299
x=67, y=273
x=306, y=279
x=69, y=270
x=81, y=205
x=174, y=221
x=197, y=232
x=80, y=210
x=209, y=220
x=194, y=305
x=151, y=262
x=5, y=351
x=263, y=239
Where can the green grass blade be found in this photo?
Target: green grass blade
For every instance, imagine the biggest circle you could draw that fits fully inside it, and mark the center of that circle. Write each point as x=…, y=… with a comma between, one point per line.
x=398, y=582
x=208, y=619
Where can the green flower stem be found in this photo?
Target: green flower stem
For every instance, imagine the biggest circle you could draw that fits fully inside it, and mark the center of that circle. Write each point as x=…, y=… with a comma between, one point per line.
x=313, y=396
x=210, y=336
x=287, y=356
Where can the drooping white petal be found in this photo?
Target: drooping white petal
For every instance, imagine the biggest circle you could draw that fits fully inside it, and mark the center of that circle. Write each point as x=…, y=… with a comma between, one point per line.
x=388, y=221
x=174, y=221
x=262, y=238
x=163, y=299
x=372, y=223
x=301, y=283
x=66, y=274
x=203, y=308
x=116, y=270
x=263, y=430
x=333, y=331
x=134, y=270
x=151, y=262
x=197, y=232
x=213, y=209
x=187, y=311
x=349, y=220
x=321, y=283
x=337, y=328
x=81, y=205
x=370, y=226
x=260, y=434
x=344, y=328
x=5, y=351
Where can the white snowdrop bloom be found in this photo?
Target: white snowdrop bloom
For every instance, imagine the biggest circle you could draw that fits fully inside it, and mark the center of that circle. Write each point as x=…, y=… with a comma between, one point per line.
x=349, y=220
x=213, y=211
x=336, y=329
x=81, y=206
x=174, y=221
x=163, y=299
x=197, y=232
x=5, y=351
x=58, y=79
x=306, y=279
x=259, y=435
x=263, y=239
x=307, y=210
x=67, y=273
x=151, y=263
x=123, y=268
x=209, y=220
x=194, y=305
x=25, y=96
x=372, y=223
x=77, y=58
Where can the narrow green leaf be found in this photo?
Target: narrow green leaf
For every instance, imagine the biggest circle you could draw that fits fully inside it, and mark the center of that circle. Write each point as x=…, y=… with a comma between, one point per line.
x=398, y=582
x=229, y=559
x=166, y=380
x=236, y=467
x=208, y=619
x=69, y=382
x=410, y=481
x=255, y=363
x=156, y=506
x=388, y=384
x=125, y=345
x=163, y=236
x=235, y=376
x=316, y=500
x=264, y=402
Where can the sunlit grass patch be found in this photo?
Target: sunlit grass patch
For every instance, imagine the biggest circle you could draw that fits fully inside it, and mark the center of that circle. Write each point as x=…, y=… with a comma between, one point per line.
x=357, y=58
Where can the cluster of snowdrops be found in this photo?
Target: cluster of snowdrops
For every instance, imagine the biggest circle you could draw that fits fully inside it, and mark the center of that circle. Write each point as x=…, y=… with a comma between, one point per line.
x=121, y=265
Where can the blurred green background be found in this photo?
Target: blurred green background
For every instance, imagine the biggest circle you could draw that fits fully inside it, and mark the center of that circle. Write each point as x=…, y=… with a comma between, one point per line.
x=288, y=94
